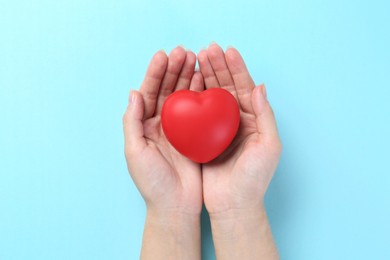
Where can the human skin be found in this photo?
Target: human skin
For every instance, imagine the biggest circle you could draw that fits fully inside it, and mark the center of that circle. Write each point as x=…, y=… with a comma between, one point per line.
x=235, y=183
x=232, y=187
x=170, y=183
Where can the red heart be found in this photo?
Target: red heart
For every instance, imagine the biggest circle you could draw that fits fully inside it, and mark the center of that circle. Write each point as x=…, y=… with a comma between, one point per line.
x=200, y=125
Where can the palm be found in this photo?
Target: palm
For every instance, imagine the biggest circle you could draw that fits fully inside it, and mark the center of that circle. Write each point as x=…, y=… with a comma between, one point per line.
x=230, y=180
x=165, y=178
x=174, y=176
x=239, y=177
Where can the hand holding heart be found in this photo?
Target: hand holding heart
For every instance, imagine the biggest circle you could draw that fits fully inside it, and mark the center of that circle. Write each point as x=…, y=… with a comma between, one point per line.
x=232, y=186
x=239, y=177
x=167, y=180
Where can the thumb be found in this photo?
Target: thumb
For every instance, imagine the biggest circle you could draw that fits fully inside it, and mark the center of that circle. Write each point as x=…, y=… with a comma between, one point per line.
x=265, y=119
x=132, y=123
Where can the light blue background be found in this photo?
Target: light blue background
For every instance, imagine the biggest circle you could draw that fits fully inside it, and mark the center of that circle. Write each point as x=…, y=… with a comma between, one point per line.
x=66, y=68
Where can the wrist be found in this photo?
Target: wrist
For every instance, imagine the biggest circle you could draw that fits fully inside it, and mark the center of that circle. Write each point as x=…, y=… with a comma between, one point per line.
x=243, y=234
x=171, y=235
x=171, y=217
x=235, y=222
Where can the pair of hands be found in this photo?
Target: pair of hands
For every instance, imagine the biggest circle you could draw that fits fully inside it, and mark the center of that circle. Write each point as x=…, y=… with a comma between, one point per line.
x=167, y=180
x=232, y=186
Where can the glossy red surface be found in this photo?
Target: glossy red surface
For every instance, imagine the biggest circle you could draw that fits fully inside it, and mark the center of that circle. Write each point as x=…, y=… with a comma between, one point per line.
x=200, y=125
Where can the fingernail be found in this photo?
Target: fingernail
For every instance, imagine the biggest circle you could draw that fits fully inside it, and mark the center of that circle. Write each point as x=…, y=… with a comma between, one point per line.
x=263, y=91
x=230, y=47
x=181, y=46
x=131, y=98
x=162, y=50
x=212, y=42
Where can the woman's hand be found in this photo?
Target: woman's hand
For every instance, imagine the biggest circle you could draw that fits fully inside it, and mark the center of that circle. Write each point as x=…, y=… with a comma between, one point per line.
x=235, y=183
x=170, y=183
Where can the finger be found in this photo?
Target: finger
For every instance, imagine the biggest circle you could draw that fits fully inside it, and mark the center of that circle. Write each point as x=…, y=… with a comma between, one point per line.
x=197, y=82
x=265, y=119
x=176, y=60
x=242, y=80
x=187, y=71
x=152, y=81
x=132, y=123
x=217, y=60
x=210, y=79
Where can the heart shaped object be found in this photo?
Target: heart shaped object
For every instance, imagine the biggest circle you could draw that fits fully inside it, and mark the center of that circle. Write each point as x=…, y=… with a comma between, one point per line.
x=200, y=125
